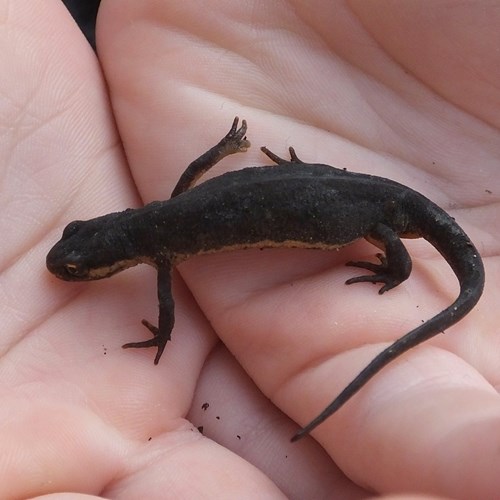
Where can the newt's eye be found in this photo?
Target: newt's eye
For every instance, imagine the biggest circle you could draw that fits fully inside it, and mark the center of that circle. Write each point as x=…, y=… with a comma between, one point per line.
x=72, y=269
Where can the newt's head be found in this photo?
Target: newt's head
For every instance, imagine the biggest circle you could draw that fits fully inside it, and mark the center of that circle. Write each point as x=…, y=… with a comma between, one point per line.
x=90, y=250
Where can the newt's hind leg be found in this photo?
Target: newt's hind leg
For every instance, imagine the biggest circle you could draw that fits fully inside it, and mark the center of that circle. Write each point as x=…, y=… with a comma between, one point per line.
x=395, y=265
x=234, y=142
x=277, y=159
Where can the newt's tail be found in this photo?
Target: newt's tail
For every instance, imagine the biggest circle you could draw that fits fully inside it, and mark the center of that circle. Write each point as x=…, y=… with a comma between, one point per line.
x=458, y=250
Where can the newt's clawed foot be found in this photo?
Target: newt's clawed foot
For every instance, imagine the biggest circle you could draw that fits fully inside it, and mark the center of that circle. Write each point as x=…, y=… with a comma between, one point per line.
x=158, y=341
x=280, y=161
x=235, y=140
x=382, y=274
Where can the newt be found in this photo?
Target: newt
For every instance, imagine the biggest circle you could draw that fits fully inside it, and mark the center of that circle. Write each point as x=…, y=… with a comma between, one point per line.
x=290, y=204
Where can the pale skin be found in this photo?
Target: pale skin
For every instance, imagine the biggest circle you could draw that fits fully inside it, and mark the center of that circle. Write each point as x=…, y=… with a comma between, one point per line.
x=395, y=89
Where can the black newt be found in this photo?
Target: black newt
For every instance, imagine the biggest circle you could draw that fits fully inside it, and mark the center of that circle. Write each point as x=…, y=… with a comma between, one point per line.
x=291, y=204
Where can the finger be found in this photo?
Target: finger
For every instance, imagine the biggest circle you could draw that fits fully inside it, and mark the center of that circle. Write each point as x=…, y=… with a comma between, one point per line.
x=427, y=423
x=59, y=154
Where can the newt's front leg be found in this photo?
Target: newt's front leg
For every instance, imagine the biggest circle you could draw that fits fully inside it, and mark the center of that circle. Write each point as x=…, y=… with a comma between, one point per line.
x=233, y=142
x=166, y=318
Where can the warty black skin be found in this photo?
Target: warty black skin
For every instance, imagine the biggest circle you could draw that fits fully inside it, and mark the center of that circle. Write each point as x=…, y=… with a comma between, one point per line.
x=292, y=204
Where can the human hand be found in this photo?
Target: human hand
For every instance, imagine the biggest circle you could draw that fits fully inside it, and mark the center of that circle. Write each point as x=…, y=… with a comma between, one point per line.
x=310, y=76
